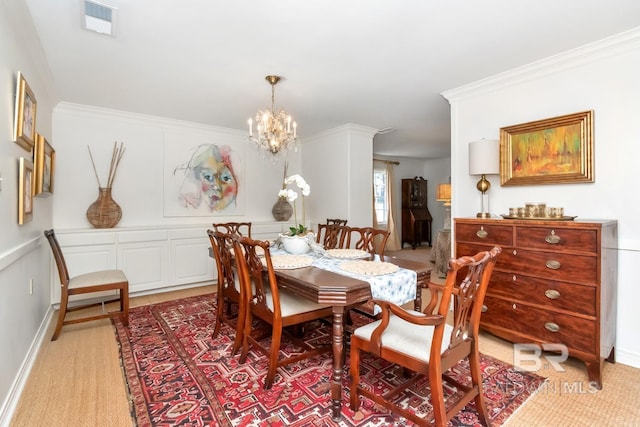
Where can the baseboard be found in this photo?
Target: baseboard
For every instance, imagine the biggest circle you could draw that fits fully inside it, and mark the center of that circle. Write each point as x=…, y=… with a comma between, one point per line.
x=11, y=402
x=627, y=358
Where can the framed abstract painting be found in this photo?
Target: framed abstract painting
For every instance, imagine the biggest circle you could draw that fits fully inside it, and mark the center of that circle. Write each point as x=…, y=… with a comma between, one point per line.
x=24, y=129
x=44, y=159
x=558, y=150
x=25, y=191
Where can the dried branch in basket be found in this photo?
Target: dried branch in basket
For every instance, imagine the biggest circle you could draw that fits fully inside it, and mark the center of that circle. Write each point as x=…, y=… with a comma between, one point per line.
x=116, y=155
x=94, y=167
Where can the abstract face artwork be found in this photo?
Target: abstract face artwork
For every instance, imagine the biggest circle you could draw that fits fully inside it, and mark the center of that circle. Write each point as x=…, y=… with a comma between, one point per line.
x=208, y=178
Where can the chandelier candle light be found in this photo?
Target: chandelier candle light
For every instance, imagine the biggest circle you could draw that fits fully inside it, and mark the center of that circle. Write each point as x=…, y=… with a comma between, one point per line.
x=277, y=132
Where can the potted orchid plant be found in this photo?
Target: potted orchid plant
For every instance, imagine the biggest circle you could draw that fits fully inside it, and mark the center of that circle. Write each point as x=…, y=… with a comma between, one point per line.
x=292, y=240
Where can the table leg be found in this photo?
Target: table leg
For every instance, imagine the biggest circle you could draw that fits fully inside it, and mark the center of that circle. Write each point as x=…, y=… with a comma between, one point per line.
x=338, y=360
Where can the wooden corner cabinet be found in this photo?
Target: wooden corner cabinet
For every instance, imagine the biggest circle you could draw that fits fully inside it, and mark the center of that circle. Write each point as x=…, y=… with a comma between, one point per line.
x=555, y=282
x=416, y=218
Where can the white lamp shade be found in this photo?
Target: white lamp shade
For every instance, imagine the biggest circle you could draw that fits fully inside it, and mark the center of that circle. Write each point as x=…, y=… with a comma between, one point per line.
x=484, y=157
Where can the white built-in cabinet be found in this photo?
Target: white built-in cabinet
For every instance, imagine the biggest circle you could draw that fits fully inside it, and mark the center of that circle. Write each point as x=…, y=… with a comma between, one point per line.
x=154, y=259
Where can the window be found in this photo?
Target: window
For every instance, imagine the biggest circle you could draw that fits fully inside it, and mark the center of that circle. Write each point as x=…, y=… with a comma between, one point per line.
x=380, y=195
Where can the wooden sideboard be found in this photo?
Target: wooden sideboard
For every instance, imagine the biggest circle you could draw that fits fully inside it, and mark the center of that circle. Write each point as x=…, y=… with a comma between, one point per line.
x=416, y=218
x=555, y=282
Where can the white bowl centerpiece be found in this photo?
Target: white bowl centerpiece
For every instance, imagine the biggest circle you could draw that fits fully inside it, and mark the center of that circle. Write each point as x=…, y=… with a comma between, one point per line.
x=296, y=240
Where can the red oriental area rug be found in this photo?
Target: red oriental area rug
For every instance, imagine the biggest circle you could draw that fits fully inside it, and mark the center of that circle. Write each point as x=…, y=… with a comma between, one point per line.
x=178, y=375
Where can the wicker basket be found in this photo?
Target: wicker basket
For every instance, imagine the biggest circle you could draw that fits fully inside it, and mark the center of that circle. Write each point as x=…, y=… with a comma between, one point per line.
x=104, y=212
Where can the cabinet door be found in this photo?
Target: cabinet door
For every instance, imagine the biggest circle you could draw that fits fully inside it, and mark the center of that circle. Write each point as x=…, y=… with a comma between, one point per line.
x=190, y=261
x=414, y=193
x=146, y=264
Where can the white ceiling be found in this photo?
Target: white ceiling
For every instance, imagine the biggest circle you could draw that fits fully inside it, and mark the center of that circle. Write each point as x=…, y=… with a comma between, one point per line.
x=376, y=63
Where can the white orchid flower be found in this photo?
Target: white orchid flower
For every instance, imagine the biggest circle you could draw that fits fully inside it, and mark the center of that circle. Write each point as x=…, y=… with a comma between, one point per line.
x=300, y=182
x=291, y=196
x=292, y=178
x=282, y=193
x=306, y=190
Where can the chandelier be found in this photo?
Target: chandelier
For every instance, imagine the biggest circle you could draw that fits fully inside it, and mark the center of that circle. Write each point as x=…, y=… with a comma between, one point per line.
x=276, y=132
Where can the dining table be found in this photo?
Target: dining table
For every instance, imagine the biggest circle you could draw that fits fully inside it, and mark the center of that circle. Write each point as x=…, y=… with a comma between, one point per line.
x=324, y=282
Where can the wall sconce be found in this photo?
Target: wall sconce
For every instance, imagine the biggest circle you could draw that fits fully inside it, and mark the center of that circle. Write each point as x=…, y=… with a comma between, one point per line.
x=484, y=159
x=444, y=195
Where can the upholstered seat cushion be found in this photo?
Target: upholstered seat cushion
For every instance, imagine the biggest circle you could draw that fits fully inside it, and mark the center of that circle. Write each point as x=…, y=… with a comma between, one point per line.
x=406, y=337
x=103, y=277
x=292, y=304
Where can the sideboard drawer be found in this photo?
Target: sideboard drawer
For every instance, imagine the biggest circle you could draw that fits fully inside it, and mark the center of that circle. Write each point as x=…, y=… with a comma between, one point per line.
x=557, y=239
x=543, y=325
x=495, y=235
x=549, y=293
x=556, y=266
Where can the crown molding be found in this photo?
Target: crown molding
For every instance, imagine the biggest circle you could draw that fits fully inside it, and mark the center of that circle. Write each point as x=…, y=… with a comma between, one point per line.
x=608, y=47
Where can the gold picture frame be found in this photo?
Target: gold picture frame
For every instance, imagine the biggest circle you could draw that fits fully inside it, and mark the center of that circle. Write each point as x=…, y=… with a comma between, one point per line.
x=24, y=133
x=25, y=191
x=558, y=150
x=44, y=160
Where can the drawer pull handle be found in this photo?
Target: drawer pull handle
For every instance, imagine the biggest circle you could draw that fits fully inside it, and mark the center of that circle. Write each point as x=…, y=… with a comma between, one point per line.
x=482, y=233
x=553, y=265
x=551, y=327
x=552, y=238
x=552, y=294
x=484, y=308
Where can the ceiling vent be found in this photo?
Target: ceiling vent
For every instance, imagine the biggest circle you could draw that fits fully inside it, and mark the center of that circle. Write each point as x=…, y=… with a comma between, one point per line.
x=99, y=18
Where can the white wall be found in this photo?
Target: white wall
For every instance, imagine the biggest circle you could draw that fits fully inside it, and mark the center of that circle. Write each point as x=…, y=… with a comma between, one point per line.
x=138, y=186
x=338, y=165
x=23, y=255
x=602, y=77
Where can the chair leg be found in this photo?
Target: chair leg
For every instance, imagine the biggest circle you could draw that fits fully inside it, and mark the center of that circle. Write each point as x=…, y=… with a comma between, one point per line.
x=274, y=351
x=219, y=314
x=437, y=397
x=62, y=313
x=355, y=376
x=237, y=342
x=476, y=380
x=124, y=305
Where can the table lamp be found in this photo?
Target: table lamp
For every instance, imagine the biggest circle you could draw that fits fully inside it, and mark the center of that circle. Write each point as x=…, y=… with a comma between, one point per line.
x=444, y=195
x=484, y=159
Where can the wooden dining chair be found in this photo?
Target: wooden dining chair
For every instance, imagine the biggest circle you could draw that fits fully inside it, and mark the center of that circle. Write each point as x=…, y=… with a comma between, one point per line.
x=330, y=236
x=88, y=283
x=228, y=289
x=427, y=345
x=368, y=239
x=273, y=305
x=241, y=228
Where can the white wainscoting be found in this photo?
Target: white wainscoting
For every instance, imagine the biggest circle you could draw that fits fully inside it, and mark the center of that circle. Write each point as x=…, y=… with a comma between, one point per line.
x=153, y=258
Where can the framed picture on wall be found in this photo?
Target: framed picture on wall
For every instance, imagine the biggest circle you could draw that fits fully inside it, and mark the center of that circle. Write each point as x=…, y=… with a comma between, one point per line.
x=24, y=129
x=44, y=158
x=25, y=191
x=558, y=150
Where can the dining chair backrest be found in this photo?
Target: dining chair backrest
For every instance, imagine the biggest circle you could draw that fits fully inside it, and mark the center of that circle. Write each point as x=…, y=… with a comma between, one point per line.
x=228, y=290
x=241, y=228
x=336, y=221
x=331, y=236
x=257, y=276
x=368, y=239
x=63, y=271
